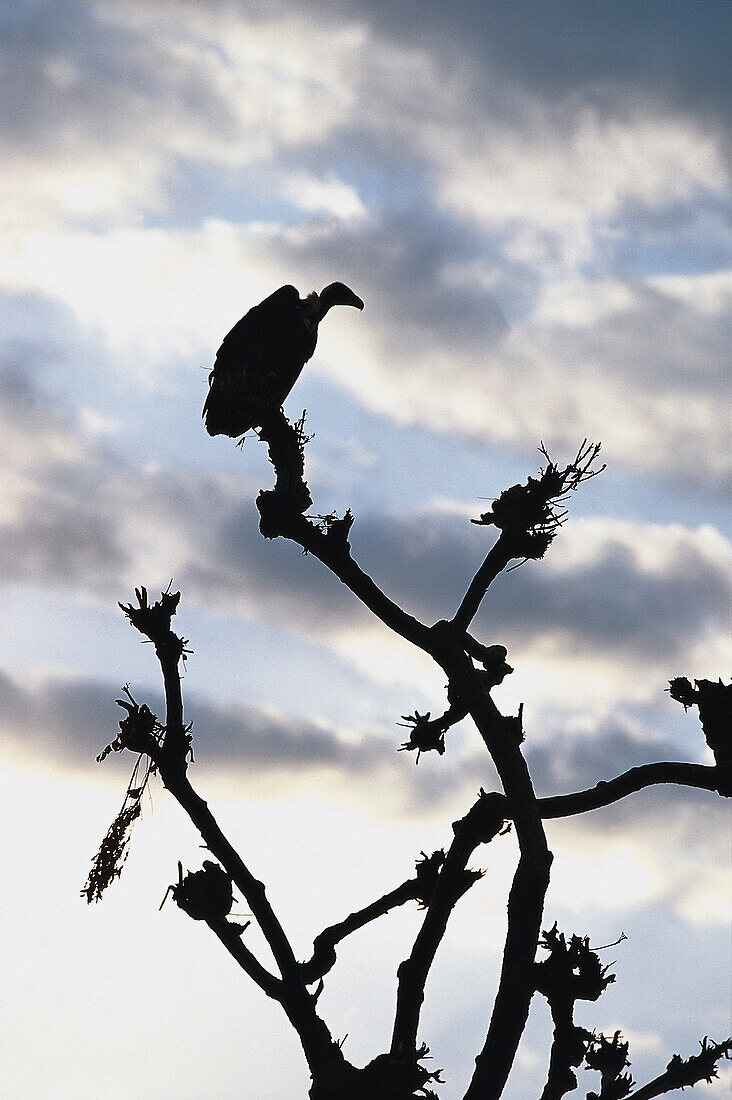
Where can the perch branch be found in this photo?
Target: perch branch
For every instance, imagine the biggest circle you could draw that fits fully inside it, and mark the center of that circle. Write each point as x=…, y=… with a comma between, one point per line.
x=281, y=515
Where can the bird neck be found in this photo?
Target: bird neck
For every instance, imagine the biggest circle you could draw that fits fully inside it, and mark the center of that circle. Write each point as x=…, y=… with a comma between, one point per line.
x=315, y=307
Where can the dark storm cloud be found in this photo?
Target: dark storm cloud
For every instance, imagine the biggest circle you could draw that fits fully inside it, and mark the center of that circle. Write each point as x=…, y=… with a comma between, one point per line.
x=70, y=721
x=562, y=763
x=399, y=265
x=608, y=603
x=673, y=55
x=72, y=76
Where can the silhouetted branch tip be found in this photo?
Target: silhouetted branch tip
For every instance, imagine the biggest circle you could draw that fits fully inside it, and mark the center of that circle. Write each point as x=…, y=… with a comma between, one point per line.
x=513, y=726
x=495, y=666
x=701, y=1066
x=139, y=731
x=573, y=971
x=204, y=895
x=428, y=871
x=425, y=733
x=484, y=820
x=530, y=515
x=152, y=620
x=400, y=1076
x=681, y=1072
x=714, y=701
x=609, y=1058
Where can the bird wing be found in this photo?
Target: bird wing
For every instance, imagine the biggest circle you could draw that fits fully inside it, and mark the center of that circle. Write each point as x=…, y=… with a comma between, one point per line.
x=259, y=340
x=261, y=356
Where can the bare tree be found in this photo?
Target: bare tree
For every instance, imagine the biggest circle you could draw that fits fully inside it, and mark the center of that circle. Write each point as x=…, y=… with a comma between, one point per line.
x=527, y=518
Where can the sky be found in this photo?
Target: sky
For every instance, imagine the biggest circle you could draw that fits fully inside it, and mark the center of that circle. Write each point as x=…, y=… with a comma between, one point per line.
x=533, y=201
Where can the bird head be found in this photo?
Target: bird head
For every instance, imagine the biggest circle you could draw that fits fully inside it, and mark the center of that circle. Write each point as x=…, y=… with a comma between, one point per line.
x=336, y=294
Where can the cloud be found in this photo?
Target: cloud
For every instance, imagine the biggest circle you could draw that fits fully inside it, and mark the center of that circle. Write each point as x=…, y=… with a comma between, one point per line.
x=68, y=721
x=245, y=750
x=614, y=57
x=100, y=100
x=612, y=598
x=324, y=196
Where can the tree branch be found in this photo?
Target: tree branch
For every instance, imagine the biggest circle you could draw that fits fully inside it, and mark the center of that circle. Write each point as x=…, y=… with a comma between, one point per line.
x=571, y=973
x=482, y=822
x=281, y=515
x=153, y=620
x=320, y=1050
x=494, y=563
x=515, y=989
x=682, y=1072
x=503, y=736
x=230, y=936
x=323, y=958
x=528, y=517
x=635, y=779
x=334, y=552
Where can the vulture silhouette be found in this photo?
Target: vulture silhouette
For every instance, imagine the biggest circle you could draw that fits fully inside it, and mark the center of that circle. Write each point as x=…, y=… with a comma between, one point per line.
x=261, y=358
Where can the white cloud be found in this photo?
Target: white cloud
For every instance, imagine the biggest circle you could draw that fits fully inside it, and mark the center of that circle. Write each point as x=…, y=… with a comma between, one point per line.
x=156, y=295
x=583, y=878
x=324, y=196
x=560, y=171
x=675, y=855
x=212, y=87
x=654, y=547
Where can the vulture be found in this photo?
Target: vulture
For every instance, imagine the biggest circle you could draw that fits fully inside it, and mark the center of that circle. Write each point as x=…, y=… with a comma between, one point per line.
x=261, y=358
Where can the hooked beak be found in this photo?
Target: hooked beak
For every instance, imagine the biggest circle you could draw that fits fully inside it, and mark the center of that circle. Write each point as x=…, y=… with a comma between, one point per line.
x=338, y=294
